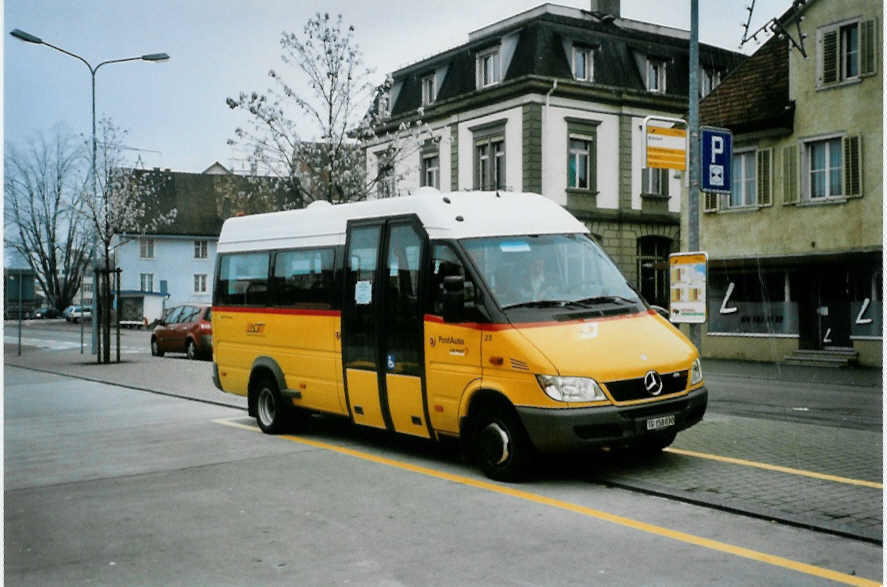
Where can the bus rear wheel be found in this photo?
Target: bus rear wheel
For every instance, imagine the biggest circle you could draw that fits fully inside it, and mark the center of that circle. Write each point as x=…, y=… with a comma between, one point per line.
x=271, y=412
x=501, y=447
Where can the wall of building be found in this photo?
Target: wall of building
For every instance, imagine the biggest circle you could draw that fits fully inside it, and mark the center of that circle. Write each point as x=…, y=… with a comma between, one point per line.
x=814, y=228
x=173, y=262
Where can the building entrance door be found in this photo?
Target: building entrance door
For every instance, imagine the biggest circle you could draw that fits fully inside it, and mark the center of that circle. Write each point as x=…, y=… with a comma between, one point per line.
x=834, y=309
x=823, y=308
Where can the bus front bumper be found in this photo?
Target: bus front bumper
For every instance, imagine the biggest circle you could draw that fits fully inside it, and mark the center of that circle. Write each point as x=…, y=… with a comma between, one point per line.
x=558, y=430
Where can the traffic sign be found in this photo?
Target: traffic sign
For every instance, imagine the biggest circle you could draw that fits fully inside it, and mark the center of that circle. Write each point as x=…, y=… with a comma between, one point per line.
x=717, y=156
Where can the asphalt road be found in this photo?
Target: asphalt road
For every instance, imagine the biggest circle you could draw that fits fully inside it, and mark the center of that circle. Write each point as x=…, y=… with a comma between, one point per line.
x=110, y=485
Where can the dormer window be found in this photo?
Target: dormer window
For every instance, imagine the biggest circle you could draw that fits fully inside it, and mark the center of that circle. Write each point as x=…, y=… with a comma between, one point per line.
x=488, y=68
x=709, y=80
x=385, y=103
x=656, y=75
x=428, y=89
x=583, y=68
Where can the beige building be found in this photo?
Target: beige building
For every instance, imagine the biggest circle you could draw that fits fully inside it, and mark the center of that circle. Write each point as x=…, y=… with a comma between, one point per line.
x=795, y=250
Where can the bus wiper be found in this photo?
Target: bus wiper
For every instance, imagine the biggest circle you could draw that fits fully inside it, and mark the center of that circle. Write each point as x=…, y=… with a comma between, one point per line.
x=541, y=304
x=607, y=299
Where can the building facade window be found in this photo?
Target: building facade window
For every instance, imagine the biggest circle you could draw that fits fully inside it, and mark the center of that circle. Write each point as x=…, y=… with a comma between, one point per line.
x=200, y=283
x=384, y=176
x=488, y=68
x=431, y=170
x=489, y=155
x=846, y=52
x=428, y=89
x=146, y=248
x=654, y=181
x=201, y=249
x=824, y=169
x=743, y=181
x=581, y=154
x=758, y=302
x=146, y=282
x=656, y=75
x=490, y=163
x=849, y=51
x=579, y=163
x=583, y=63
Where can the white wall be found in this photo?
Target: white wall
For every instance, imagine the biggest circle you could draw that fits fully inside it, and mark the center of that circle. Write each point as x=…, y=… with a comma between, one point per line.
x=554, y=153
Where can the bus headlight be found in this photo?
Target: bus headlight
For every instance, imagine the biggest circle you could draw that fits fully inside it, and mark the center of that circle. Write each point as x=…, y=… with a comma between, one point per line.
x=696, y=373
x=571, y=389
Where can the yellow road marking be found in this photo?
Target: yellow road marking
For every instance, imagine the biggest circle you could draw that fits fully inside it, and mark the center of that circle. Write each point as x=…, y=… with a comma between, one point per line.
x=780, y=469
x=716, y=545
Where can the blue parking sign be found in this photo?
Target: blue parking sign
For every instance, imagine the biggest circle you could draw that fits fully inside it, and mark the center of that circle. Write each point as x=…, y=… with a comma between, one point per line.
x=717, y=156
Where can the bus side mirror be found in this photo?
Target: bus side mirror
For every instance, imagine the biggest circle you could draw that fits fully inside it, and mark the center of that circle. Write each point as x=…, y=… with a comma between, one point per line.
x=453, y=298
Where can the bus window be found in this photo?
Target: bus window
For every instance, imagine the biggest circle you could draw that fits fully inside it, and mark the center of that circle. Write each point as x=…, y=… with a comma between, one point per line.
x=304, y=278
x=243, y=280
x=445, y=262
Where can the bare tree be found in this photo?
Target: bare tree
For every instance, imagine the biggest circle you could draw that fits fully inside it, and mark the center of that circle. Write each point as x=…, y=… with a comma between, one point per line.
x=335, y=110
x=126, y=201
x=43, y=200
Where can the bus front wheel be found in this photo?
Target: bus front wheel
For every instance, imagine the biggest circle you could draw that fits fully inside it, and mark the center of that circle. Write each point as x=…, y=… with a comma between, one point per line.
x=501, y=447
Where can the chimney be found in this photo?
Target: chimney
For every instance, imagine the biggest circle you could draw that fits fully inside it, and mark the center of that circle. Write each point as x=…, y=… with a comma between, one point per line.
x=610, y=7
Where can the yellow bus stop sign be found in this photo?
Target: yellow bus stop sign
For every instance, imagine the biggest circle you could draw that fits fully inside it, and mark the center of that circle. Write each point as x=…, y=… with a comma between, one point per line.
x=666, y=147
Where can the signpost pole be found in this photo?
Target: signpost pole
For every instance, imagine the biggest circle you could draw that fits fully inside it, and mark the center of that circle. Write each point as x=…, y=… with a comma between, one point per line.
x=693, y=149
x=21, y=278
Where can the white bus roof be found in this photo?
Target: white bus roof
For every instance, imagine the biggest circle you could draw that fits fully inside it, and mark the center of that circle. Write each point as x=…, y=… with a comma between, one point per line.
x=453, y=215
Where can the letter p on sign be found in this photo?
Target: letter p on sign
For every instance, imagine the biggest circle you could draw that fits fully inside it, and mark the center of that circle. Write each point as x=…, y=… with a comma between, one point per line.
x=717, y=147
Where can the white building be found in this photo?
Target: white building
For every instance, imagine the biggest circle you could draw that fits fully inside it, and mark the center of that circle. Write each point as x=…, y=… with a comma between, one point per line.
x=552, y=101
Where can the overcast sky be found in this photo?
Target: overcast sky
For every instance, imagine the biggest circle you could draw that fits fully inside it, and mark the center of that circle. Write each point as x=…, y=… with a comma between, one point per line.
x=175, y=111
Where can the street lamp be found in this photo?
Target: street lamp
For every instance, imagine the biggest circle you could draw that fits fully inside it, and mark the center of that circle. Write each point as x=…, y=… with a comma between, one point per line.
x=155, y=57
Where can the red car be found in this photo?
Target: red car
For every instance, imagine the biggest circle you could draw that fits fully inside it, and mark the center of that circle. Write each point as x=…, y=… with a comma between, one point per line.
x=184, y=329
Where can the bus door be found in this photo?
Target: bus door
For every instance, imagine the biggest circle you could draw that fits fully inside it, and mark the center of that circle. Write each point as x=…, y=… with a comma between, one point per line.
x=382, y=325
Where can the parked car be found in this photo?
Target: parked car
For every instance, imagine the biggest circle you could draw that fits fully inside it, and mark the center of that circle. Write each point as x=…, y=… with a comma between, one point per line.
x=46, y=312
x=184, y=329
x=76, y=313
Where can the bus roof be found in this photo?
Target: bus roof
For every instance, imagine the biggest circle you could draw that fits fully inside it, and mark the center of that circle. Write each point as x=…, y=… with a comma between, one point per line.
x=452, y=215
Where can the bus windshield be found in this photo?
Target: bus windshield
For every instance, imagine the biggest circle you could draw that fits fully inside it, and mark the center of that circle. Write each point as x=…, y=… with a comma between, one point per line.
x=561, y=271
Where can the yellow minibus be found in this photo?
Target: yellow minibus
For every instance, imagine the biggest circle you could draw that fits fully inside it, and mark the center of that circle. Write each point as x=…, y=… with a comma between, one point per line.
x=491, y=317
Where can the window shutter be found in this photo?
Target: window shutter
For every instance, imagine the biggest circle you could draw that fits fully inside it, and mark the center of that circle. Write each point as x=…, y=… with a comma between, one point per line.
x=765, y=180
x=790, y=175
x=645, y=180
x=868, y=37
x=664, y=182
x=853, y=166
x=830, y=56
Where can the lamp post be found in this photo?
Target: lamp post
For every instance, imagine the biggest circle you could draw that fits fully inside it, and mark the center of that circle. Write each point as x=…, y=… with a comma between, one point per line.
x=155, y=57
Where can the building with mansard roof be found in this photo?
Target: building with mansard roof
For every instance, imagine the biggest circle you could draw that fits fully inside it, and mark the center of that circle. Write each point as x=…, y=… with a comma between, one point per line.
x=552, y=101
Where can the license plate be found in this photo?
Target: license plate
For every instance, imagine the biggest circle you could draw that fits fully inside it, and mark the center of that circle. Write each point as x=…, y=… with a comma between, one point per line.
x=660, y=422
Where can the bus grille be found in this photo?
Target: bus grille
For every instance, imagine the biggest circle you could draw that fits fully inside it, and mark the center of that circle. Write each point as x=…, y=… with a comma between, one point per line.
x=633, y=389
